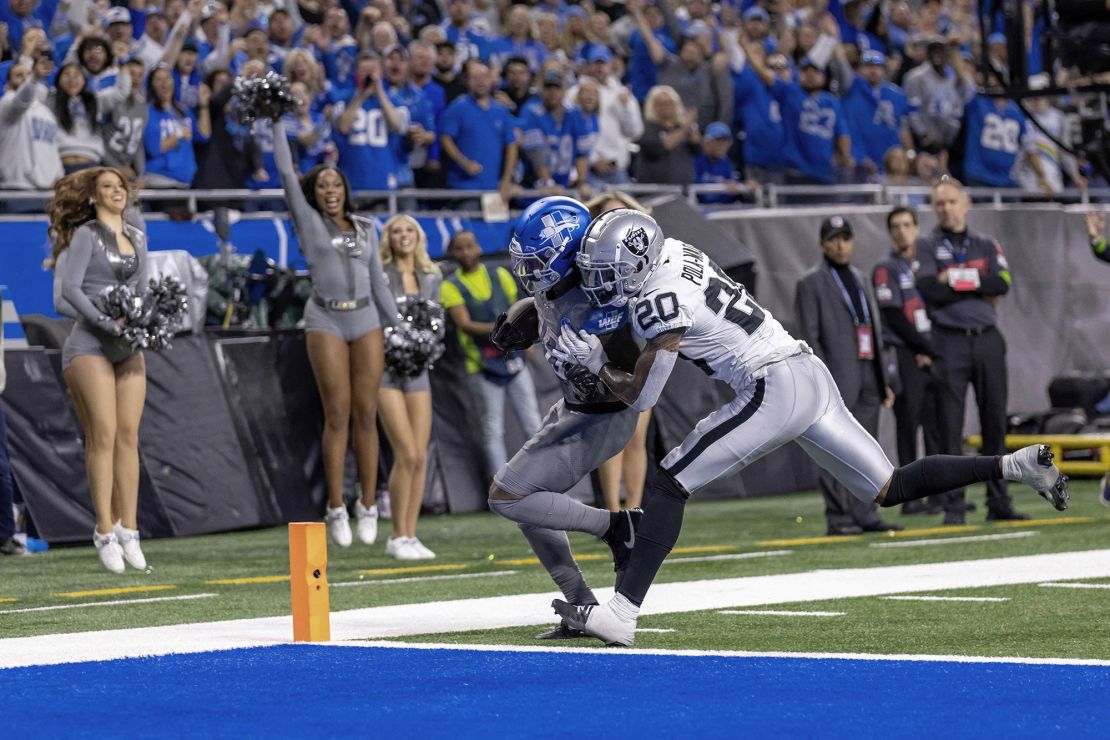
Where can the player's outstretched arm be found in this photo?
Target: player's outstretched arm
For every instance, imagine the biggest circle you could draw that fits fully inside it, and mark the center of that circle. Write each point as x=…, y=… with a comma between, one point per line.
x=641, y=388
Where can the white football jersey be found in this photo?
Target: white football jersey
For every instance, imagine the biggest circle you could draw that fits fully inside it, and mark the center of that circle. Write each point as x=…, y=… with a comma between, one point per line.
x=728, y=335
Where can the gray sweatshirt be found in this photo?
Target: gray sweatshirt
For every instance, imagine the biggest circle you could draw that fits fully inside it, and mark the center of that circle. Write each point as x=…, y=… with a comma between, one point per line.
x=28, y=139
x=343, y=266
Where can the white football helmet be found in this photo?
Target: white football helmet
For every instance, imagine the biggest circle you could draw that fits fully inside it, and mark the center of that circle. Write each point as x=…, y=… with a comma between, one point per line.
x=620, y=250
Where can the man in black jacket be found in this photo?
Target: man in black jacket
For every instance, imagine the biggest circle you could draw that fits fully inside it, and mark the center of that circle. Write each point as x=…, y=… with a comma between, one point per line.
x=963, y=275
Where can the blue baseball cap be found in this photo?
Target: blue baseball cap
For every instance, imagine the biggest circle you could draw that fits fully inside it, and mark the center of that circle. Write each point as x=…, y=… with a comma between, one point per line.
x=756, y=11
x=872, y=57
x=718, y=130
x=996, y=38
x=598, y=53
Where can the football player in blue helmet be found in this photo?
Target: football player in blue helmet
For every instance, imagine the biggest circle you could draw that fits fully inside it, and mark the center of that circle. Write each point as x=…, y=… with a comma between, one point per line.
x=545, y=241
x=587, y=426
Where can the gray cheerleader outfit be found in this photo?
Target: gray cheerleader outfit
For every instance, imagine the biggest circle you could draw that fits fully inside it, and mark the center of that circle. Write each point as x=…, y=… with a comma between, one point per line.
x=429, y=289
x=91, y=264
x=350, y=296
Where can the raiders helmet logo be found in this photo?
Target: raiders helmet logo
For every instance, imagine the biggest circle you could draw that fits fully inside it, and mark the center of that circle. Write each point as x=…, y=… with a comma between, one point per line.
x=636, y=241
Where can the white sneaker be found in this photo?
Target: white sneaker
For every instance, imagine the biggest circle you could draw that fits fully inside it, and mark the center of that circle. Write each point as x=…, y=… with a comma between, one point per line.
x=399, y=548
x=129, y=541
x=601, y=622
x=424, y=552
x=109, y=550
x=339, y=525
x=1033, y=466
x=367, y=523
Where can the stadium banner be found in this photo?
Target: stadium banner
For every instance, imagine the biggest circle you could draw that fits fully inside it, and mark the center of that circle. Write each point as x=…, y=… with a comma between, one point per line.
x=24, y=246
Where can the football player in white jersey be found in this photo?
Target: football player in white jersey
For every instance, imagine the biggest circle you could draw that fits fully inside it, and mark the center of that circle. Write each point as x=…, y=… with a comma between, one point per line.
x=684, y=306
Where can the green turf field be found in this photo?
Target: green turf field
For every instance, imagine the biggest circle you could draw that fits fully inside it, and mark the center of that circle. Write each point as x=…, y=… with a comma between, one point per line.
x=246, y=570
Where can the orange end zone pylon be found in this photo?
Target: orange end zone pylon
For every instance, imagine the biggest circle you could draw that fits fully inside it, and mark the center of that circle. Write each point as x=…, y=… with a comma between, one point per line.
x=308, y=580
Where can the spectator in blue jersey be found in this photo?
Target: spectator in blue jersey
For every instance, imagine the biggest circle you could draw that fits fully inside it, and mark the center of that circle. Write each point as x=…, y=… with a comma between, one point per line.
x=816, y=130
x=478, y=138
x=671, y=139
x=364, y=129
x=992, y=143
x=338, y=50
x=518, y=41
x=714, y=167
x=255, y=46
x=516, y=87
x=308, y=131
x=413, y=147
x=301, y=66
x=458, y=28
x=285, y=33
x=556, y=140
x=642, y=74
x=756, y=111
x=877, y=111
x=169, y=135
x=186, y=74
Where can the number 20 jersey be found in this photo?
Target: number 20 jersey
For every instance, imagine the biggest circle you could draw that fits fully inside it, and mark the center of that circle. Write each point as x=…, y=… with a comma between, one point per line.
x=728, y=335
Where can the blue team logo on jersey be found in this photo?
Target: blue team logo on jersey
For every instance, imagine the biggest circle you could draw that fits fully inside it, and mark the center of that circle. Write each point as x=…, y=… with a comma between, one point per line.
x=558, y=229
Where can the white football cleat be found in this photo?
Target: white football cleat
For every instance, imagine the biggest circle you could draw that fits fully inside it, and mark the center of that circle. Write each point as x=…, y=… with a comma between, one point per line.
x=339, y=526
x=109, y=550
x=1033, y=466
x=367, y=523
x=598, y=621
x=129, y=541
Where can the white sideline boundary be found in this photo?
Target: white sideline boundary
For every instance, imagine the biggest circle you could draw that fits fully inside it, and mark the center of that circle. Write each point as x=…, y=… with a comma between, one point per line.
x=533, y=609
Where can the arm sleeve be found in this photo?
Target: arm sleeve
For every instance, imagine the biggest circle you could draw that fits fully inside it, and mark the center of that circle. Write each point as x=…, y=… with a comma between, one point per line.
x=294, y=196
x=937, y=293
x=383, y=296
x=12, y=111
x=449, y=295
x=651, y=143
x=80, y=251
x=997, y=280
x=152, y=136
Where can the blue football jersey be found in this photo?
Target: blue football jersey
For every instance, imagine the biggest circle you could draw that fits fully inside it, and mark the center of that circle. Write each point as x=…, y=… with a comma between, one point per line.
x=875, y=116
x=993, y=141
x=564, y=140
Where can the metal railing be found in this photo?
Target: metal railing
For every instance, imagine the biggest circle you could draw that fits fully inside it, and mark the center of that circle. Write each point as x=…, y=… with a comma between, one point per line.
x=435, y=202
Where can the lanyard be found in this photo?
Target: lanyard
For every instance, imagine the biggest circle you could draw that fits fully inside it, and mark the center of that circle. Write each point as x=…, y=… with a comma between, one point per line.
x=848, y=300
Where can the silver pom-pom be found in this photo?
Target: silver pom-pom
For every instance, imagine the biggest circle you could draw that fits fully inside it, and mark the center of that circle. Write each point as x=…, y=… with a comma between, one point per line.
x=417, y=342
x=148, y=321
x=263, y=97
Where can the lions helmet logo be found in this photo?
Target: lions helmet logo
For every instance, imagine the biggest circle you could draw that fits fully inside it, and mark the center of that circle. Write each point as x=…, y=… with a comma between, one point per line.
x=558, y=228
x=636, y=241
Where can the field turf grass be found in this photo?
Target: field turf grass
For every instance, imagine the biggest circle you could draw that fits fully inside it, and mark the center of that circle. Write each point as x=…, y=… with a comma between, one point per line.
x=1034, y=622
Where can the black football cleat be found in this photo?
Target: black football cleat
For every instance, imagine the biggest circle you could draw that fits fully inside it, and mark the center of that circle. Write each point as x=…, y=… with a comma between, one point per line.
x=561, y=631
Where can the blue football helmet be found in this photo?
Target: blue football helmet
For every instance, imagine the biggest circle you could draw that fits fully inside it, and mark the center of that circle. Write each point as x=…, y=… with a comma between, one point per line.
x=545, y=241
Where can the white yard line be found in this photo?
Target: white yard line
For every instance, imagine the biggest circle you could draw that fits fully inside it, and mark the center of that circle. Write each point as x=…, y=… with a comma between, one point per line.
x=533, y=609
x=733, y=556
x=116, y=602
x=780, y=613
x=416, y=579
x=1075, y=585
x=945, y=598
x=949, y=540
x=653, y=629
x=725, y=653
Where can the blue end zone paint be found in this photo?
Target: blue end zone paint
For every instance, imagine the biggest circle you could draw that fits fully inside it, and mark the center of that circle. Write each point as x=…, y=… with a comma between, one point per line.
x=318, y=691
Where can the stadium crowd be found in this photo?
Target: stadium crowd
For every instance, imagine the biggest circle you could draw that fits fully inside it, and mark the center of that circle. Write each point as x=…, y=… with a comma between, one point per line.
x=546, y=95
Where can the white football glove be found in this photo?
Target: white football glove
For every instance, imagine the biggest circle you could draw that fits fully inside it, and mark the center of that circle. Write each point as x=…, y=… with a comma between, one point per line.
x=583, y=347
